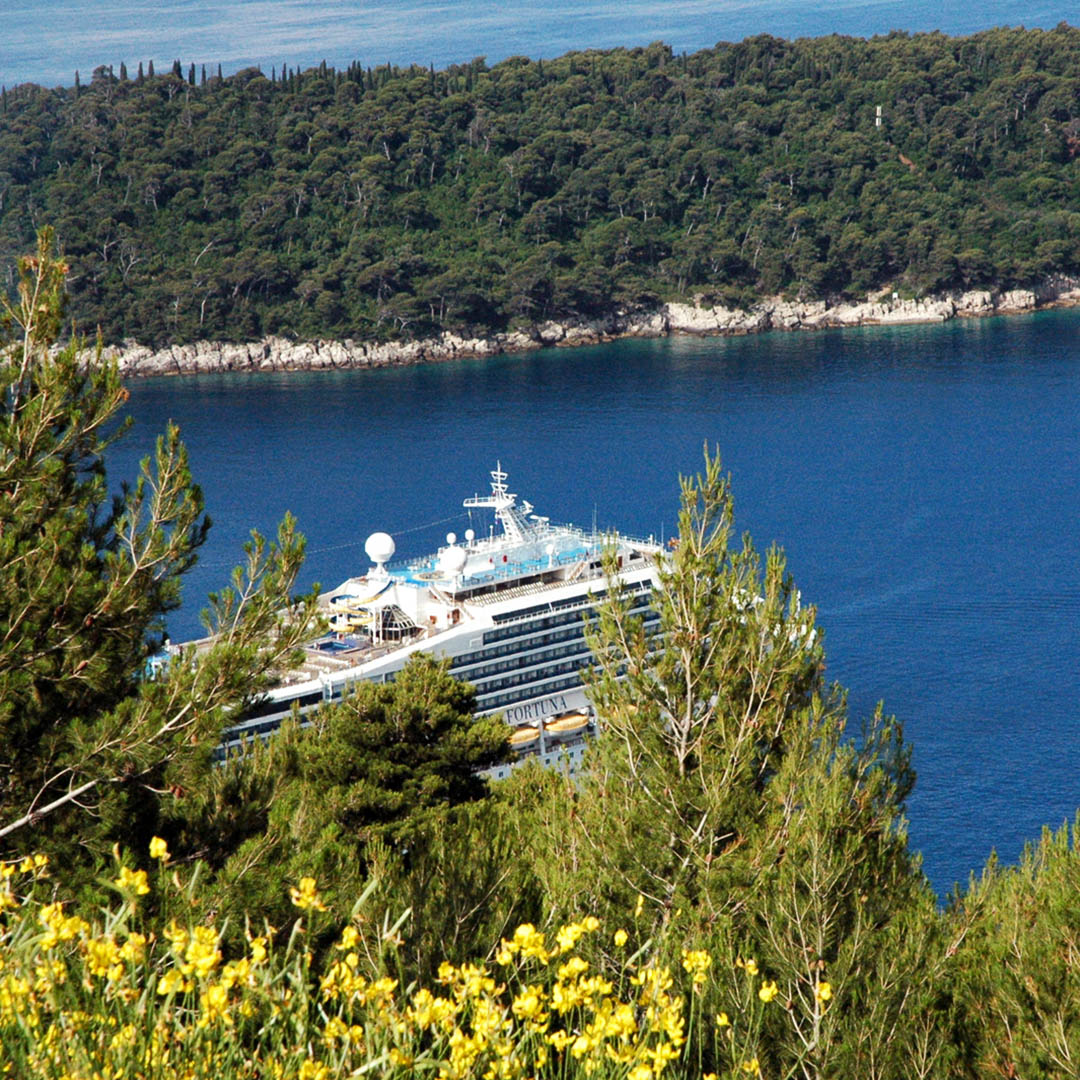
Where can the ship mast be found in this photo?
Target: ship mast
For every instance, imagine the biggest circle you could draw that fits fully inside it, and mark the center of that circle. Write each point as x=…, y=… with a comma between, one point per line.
x=503, y=502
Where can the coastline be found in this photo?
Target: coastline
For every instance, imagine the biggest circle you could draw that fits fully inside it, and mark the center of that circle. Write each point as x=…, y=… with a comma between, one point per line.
x=687, y=319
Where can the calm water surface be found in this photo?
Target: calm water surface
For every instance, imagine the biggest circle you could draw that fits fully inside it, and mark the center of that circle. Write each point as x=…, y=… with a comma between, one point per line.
x=47, y=40
x=922, y=480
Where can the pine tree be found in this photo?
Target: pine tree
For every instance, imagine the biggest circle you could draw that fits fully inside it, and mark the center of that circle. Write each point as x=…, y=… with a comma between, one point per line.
x=85, y=583
x=380, y=770
x=725, y=802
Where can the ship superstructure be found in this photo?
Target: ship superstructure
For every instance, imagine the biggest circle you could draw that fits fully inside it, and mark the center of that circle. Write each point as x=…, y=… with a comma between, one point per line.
x=507, y=610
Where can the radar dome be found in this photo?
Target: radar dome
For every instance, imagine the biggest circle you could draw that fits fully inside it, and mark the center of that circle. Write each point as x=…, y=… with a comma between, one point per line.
x=470, y=536
x=452, y=560
x=380, y=547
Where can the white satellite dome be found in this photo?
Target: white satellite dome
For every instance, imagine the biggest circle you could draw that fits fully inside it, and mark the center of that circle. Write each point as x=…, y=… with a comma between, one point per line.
x=452, y=560
x=380, y=548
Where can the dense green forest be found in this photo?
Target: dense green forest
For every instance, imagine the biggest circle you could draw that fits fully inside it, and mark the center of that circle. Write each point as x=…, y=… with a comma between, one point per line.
x=725, y=890
x=397, y=202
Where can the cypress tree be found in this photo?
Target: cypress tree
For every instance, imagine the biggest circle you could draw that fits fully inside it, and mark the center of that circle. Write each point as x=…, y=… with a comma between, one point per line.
x=203, y=75
x=139, y=78
x=123, y=72
x=191, y=75
x=176, y=69
x=149, y=69
x=77, y=85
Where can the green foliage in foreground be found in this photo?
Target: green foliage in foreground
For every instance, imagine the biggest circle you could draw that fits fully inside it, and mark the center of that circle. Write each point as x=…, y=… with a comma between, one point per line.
x=397, y=202
x=85, y=581
x=727, y=888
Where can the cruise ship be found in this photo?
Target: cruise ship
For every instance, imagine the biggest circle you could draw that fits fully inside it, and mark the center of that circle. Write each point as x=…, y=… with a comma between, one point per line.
x=507, y=610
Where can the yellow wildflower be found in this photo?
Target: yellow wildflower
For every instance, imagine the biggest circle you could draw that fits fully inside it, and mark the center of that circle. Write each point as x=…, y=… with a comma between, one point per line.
x=722, y=1020
x=568, y=936
x=159, y=849
x=335, y=1029
x=640, y=904
x=559, y=1040
x=530, y=943
x=823, y=991
x=133, y=881
x=134, y=949
x=307, y=896
x=768, y=991
x=215, y=1005
x=529, y=1004
x=202, y=954
x=258, y=950
x=697, y=963
x=172, y=982
x=620, y=938
x=752, y=1067
x=101, y=955
x=749, y=966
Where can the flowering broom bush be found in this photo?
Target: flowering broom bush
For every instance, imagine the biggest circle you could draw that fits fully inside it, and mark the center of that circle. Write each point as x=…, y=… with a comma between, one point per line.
x=113, y=998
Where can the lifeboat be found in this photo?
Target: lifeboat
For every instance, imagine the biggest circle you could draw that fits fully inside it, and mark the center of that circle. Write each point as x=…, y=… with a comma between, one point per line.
x=571, y=724
x=523, y=736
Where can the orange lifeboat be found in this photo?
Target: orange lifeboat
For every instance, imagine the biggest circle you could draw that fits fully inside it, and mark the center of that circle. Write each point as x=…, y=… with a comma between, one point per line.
x=571, y=724
x=523, y=736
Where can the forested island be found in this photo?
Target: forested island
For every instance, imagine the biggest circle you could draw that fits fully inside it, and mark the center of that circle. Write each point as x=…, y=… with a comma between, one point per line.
x=396, y=205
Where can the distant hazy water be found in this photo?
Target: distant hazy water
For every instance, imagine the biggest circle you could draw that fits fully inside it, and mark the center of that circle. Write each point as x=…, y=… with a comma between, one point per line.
x=45, y=41
x=923, y=480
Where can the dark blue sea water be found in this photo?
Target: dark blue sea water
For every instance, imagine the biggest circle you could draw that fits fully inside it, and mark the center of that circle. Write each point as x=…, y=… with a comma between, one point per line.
x=923, y=481
x=45, y=41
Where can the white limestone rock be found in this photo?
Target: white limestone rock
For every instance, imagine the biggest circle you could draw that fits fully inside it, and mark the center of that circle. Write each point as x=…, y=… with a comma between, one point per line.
x=975, y=302
x=1016, y=300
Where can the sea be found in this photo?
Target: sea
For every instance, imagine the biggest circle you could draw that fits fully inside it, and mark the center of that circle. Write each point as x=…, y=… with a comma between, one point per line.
x=47, y=41
x=922, y=480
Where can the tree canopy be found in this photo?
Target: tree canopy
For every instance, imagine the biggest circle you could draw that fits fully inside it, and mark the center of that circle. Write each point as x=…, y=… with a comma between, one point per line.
x=402, y=201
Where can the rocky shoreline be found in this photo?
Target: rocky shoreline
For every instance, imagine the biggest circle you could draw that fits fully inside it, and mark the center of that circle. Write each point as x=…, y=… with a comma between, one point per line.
x=280, y=354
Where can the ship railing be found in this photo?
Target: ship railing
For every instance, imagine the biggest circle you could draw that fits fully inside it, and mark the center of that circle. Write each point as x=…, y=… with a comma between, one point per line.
x=594, y=540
